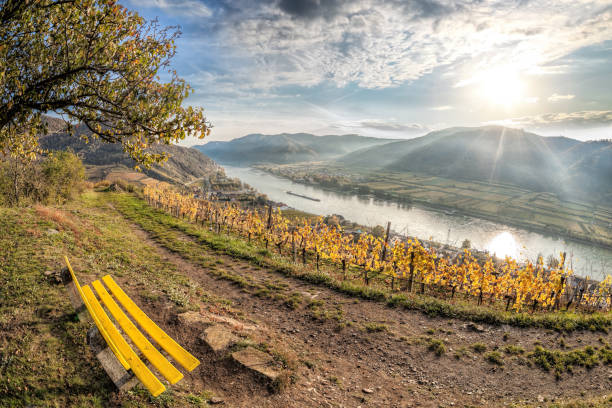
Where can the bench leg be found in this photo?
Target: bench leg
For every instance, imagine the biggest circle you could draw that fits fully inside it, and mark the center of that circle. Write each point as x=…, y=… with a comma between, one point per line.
x=123, y=380
x=74, y=296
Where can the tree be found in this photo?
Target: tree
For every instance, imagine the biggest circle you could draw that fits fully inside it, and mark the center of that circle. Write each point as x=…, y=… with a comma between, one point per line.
x=96, y=63
x=466, y=244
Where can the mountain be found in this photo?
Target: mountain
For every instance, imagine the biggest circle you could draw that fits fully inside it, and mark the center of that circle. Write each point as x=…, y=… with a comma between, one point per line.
x=184, y=164
x=286, y=148
x=498, y=154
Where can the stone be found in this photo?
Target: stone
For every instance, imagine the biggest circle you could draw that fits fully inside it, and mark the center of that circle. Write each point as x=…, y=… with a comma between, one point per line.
x=215, y=400
x=52, y=231
x=191, y=318
x=368, y=391
x=235, y=324
x=475, y=327
x=218, y=338
x=257, y=361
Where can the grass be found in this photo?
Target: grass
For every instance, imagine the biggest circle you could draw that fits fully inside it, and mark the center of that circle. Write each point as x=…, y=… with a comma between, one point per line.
x=494, y=357
x=373, y=327
x=294, y=301
x=479, y=347
x=513, y=350
x=163, y=227
x=600, y=402
x=44, y=358
x=565, y=361
x=436, y=346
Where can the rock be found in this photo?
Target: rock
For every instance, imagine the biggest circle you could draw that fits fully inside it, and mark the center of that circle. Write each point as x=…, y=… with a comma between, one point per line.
x=52, y=231
x=257, y=361
x=215, y=400
x=217, y=337
x=368, y=391
x=540, y=398
x=191, y=318
x=475, y=327
x=53, y=276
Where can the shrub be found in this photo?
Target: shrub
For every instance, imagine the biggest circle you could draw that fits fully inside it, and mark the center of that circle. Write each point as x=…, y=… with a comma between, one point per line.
x=51, y=179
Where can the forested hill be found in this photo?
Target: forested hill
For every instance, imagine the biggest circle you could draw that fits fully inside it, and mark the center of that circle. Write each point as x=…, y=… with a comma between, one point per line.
x=286, y=148
x=183, y=166
x=499, y=154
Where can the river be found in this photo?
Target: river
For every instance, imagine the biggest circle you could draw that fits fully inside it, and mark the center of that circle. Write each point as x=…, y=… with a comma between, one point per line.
x=426, y=223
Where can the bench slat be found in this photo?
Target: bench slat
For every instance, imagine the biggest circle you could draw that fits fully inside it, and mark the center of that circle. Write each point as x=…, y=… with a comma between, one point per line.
x=166, y=342
x=150, y=352
x=99, y=325
x=139, y=369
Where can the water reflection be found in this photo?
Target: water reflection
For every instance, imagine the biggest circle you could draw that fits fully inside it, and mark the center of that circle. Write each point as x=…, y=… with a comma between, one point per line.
x=504, y=245
x=425, y=223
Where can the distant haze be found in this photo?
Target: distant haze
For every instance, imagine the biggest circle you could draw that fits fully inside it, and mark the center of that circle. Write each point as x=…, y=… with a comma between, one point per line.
x=564, y=166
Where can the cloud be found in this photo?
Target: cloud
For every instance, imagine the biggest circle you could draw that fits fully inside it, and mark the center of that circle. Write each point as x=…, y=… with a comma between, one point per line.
x=556, y=97
x=192, y=8
x=582, y=119
x=379, y=128
x=309, y=9
x=380, y=44
x=442, y=108
x=392, y=126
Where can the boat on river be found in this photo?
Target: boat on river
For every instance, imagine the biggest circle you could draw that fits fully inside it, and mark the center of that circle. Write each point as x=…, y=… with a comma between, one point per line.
x=303, y=196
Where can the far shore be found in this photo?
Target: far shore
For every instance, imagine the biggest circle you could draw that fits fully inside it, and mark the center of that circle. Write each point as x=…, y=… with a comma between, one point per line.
x=509, y=221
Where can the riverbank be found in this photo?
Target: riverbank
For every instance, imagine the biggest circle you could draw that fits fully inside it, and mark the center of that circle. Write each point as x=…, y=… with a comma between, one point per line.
x=536, y=212
x=432, y=225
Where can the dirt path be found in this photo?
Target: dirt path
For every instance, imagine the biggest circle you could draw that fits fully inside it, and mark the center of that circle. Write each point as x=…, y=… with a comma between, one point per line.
x=339, y=358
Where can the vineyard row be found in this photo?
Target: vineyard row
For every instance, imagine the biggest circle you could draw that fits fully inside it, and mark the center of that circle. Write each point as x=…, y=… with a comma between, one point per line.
x=402, y=265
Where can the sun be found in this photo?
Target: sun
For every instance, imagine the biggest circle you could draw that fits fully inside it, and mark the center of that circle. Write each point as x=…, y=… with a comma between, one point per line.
x=502, y=87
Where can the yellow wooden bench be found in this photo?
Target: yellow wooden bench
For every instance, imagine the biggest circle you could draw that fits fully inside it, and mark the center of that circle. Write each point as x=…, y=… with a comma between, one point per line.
x=126, y=356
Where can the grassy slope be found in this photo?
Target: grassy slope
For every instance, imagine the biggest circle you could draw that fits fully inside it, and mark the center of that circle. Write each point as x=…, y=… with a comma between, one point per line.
x=160, y=225
x=44, y=360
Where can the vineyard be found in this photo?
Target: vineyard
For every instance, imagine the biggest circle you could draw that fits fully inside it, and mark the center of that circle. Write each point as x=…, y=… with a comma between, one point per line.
x=408, y=266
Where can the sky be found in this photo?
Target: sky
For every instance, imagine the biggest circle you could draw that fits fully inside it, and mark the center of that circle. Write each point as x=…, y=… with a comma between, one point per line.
x=394, y=69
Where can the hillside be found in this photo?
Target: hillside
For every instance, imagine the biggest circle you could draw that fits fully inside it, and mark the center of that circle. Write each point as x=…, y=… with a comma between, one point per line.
x=183, y=166
x=337, y=343
x=502, y=155
x=286, y=148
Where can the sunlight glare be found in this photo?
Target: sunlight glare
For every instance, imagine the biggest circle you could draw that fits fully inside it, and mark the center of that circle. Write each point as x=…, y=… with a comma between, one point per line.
x=504, y=244
x=502, y=87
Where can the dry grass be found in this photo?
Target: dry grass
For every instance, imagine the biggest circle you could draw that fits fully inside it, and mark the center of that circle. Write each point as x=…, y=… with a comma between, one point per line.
x=59, y=217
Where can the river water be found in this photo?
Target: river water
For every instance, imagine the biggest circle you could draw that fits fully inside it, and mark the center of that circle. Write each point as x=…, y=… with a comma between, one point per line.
x=426, y=223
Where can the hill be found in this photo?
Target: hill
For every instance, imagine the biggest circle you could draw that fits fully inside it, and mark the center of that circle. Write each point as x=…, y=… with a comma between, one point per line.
x=286, y=148
x=498, y=154
x=184, y=164
x=335, y=341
